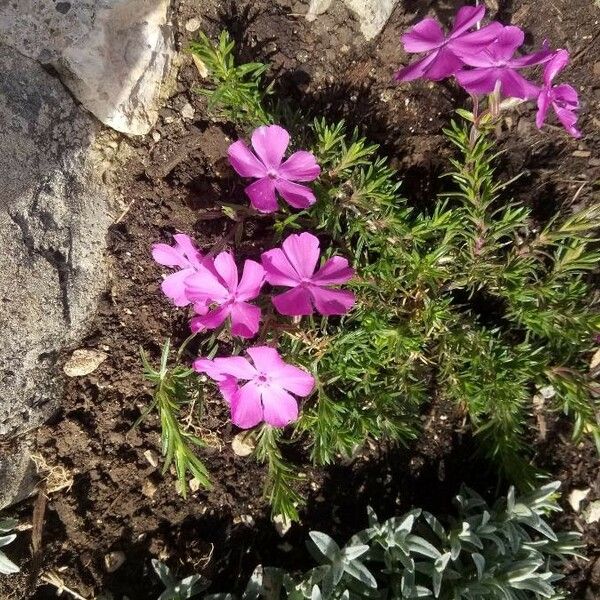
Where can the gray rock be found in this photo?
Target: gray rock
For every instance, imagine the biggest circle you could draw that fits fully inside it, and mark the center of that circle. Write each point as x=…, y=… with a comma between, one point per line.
x=372, y=14
x=53, y=223
x=112, y=54
x=18, y=477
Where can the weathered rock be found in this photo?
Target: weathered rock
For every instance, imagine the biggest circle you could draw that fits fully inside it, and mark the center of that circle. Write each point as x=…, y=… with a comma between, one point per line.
x=18, y=477
x=372, y=14
x=112, y=54
x=53, y=223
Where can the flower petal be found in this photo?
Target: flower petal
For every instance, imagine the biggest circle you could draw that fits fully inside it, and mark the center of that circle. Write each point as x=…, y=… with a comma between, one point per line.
x=445, y=64
x=212, y=319
x=296, y=195
x=568, y=119
x=506, y=44
x=416, y=69
x=293, y=379
x=246, y=407
x=425, y=35
x=300, y=166
x=168, y=256
x=334, y=272
x=265, y=358
x=202, y=284
x=478, y=81
x=278, y=268
x=173, y=287
x=245, y=319
x=253, y=277
x=236, y=366
x=270, y=143
x=514, y=85
x=332, y=302
x=295, y=302
x=279, y=407
x=566, y=94
x=543, y=103
x=227, y=270
x=206, y=365
x=529, y=60
x=244, y=161
x=476, y=41
x=302, y=251
x=466, y=17
x=556, y=64
x=228, y=388
x=188, y=248
x=262, y=195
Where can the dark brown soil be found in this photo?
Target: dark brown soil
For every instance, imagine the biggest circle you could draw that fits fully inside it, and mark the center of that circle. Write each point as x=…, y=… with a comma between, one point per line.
x=118, y=501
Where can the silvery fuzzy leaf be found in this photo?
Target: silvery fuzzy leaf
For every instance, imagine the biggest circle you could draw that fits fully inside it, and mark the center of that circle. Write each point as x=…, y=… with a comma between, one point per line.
x=437, y=583
x=420, y=546
x=479, y=564
x=7, y=567
x=435, y=525
x=326, y=545
x=357, y=570
x=315, y=593
x=7, y=539
x=442, y=562
x=352, y=552
x=7, y=525
x=164, y=573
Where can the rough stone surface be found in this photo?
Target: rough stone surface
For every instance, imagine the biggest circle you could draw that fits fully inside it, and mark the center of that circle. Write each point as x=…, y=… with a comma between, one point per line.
x=112, y=54
x=18, y=477
x=372, y=14
x=53, y=222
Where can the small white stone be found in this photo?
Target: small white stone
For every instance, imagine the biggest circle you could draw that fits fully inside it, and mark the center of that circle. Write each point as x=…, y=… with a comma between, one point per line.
x=242, y=444
x=576, y=497
x=113, y=560
x=151, y=457
x=187, y=111
x=83, y=362
x=156, y=136
x=592, y=513
x=149, y=489
x=548, y=392
x=193, y=24
x=282, y=525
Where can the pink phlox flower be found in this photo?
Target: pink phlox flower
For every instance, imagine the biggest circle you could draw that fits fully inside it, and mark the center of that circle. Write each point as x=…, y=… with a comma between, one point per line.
x=261, y=391
x=497, y=66
x=218, y=293
x=444, y=55
x=183, y=256
x=563, y=98
x=293, y=265
x=270, y=143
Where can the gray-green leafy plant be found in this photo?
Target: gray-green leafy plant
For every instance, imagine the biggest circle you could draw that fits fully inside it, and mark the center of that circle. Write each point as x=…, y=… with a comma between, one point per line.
x=7, y=567
x=503, y=552
x=182, y=589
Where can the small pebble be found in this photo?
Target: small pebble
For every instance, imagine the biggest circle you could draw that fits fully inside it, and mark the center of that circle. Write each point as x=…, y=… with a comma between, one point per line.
x=188, y=112
x=193, y=24
x=113, y=560
x=155, y=136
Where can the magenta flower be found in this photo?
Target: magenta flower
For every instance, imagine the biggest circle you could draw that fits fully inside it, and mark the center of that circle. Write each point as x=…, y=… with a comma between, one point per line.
x=183, y=255
x=293, y=265
x=496, y=65
x=445, y=55
x=218, y=294
x=563, y=98
x=270, y=143
x=266, y=393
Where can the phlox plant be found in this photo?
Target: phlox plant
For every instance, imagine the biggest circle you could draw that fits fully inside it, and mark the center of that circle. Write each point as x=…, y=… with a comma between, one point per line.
x=362, y=303
x=7, y=567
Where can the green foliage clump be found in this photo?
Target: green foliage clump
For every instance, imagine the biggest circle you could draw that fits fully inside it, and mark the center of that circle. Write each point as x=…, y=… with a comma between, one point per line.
x=188, y=587
x=503, y=552
x=468, y=301
x=7, y=567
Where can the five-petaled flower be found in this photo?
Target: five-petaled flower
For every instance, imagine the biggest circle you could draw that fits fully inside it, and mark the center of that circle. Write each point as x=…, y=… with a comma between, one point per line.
x=184, y=256
x=261, y=391
x=217, y=293
x=293, y=265
x=496, y=66
x=563, y=98
x=445, y=55
x=270, y=143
